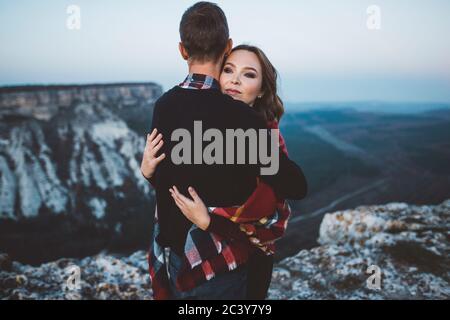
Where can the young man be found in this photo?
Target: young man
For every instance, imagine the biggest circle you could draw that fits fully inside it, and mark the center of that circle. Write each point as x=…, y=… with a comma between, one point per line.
x=204, y=45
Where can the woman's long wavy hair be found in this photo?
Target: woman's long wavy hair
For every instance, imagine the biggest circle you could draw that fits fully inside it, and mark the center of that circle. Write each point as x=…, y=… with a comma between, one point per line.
x=270, y=105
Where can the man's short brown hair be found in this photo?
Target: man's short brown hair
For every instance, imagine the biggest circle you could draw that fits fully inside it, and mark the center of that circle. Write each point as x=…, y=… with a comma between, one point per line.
x=204, y=31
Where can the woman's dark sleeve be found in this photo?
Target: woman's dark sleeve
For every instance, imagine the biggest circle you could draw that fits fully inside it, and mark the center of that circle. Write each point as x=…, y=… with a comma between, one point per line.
x=151, y=180
x=289, y=182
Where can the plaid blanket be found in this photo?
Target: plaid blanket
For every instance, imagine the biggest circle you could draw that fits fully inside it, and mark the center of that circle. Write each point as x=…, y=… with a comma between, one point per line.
x=208, y=254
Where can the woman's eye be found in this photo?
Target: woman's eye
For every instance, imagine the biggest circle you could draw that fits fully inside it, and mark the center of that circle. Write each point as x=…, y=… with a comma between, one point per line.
x=250, y=75
x=227, y=70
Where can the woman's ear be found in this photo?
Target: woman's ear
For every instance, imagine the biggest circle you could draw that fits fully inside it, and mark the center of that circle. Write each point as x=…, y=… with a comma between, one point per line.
x=183, y=51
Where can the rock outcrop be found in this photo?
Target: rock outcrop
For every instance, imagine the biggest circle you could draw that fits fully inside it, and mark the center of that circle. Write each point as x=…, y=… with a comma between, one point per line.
x=100, y=277
x=407, y=246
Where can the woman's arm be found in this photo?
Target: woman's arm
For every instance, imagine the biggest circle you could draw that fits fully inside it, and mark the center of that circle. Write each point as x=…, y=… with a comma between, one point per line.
x=262, y=204
x=270, y=230
x=196, y=211
x=289, y=182
x=251, y=235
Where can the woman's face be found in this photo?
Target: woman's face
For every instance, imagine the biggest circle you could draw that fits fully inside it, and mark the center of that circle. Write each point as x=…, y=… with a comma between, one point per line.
x=241, y=77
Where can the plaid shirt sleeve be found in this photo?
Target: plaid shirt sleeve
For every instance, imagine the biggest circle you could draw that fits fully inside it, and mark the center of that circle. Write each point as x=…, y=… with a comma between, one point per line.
x=268, y=230
x=261, y=234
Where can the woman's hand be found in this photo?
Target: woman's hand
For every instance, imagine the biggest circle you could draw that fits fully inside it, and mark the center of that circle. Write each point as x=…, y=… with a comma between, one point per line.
x=149, y=160
x=195, y=210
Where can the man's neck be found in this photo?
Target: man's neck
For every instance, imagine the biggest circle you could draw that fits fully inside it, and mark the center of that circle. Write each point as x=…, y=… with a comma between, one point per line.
x=209, y=69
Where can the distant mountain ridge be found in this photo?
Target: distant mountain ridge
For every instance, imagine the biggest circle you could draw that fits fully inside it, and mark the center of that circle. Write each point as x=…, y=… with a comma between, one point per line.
x=43, y=102
x=370, y=106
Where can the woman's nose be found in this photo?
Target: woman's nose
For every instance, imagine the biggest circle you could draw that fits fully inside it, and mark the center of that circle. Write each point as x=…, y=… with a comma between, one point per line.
x=235, y=81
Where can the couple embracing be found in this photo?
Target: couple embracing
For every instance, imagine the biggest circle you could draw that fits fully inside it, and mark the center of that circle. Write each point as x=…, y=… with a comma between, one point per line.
x=216, y=224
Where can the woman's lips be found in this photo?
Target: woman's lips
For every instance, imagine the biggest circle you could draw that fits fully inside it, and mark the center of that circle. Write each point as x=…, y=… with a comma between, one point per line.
x=232, y=91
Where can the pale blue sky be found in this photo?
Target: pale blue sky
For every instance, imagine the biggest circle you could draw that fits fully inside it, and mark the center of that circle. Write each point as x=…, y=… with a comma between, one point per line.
x=322, y=48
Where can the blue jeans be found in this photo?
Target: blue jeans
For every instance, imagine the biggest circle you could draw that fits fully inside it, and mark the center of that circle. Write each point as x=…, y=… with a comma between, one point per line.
x=231, y=285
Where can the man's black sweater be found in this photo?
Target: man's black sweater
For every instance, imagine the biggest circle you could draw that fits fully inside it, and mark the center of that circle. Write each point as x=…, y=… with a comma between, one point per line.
x=217, y=185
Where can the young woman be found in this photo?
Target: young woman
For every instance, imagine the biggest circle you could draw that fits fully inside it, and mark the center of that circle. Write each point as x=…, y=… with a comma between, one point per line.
x=247, y=75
